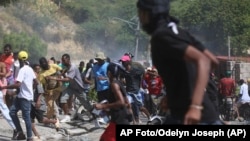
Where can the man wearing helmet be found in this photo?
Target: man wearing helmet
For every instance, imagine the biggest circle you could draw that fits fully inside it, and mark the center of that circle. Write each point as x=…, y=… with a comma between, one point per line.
x=24, y=82
x=182, y=62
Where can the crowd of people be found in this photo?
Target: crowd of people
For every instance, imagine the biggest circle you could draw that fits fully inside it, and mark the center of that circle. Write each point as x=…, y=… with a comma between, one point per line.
x=40, y=90
x=179, y=82
x=233, y=93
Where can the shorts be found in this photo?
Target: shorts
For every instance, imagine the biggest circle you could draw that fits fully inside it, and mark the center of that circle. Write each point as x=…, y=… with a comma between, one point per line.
x=80, y=94
x=66, y=94
x=36, y=113
x=137, y=98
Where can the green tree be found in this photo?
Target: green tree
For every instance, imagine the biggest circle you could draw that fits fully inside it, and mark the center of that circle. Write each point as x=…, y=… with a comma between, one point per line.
x=98, y=28
x=22, y=41
x=7, y=2
x=214, y=21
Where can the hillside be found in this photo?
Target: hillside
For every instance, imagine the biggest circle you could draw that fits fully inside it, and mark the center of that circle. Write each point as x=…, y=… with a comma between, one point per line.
x=57, y=33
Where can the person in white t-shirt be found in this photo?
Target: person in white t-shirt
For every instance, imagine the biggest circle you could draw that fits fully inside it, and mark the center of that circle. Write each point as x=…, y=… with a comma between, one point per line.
x=24, y=83
x=244, y=93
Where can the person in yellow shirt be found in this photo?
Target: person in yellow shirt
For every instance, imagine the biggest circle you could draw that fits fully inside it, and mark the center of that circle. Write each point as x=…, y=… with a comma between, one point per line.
x=52, y=88
x=38, y=106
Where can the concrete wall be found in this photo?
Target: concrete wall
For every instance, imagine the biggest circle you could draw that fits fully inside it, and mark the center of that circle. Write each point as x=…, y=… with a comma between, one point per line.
x=240, y=70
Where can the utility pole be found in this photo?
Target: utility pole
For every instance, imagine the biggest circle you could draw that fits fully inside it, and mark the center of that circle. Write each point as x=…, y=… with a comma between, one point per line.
x=137, y=33
x=229, y=48
x=148, y=53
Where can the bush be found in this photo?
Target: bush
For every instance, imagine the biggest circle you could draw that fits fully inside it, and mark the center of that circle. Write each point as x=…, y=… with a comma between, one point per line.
x=93, y=95
x=22, y=41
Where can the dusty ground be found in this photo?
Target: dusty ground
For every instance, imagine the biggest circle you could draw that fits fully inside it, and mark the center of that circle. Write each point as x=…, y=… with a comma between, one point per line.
x=73, y=131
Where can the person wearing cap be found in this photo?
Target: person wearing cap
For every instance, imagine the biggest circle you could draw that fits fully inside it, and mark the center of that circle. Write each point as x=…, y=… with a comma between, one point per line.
x=101, y=76
x=129, y=54
x=133, y=81
x=101, y=80
x=134, y=63
x=25, y=81
x=182, y=62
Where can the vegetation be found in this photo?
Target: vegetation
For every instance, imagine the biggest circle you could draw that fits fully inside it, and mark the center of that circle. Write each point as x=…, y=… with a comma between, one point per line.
x=215, y=20
x=22, y=41
x=7, y=2
x=92, y=95
x=111, y=24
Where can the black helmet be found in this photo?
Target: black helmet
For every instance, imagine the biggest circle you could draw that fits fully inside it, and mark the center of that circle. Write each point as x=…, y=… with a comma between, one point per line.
x=155, y=6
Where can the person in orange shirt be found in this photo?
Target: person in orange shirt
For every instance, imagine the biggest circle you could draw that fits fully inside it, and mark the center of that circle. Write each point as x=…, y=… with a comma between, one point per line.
x=8, y=59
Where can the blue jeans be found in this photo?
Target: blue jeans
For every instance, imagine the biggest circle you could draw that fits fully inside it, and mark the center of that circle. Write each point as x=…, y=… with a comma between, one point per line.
x=25, y=106
x=136, y=103
x=5, y=111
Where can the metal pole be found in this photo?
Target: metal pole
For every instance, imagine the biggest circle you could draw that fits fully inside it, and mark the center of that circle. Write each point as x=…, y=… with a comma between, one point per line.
x=229, y=48
x=148, y=53
x=137, y=40
x=137, y=32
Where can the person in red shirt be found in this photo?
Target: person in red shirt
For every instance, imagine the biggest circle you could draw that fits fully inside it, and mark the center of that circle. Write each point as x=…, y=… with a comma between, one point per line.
x=8, y=59
x=227, y=86
x=154, y=85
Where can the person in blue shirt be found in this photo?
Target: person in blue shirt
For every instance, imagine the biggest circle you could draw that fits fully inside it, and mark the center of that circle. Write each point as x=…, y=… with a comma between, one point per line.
x=101, y=77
